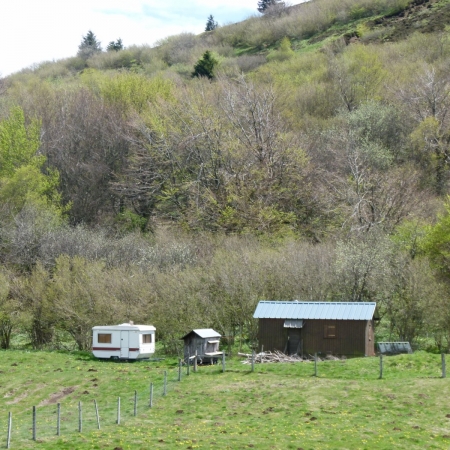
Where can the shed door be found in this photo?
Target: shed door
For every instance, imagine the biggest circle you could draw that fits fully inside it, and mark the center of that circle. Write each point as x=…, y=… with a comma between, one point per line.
x=124, y=344
x=294, y=341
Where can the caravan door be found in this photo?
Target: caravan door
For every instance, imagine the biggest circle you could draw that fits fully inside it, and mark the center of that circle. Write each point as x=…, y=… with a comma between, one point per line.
x=124, y=344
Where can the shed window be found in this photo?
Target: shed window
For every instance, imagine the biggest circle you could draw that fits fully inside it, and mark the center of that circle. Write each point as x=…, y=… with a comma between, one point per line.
x=330, y=332
x=147, y=338
x=103, y=338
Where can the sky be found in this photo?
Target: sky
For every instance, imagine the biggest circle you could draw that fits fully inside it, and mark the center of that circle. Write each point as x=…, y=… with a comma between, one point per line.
x=35, y=31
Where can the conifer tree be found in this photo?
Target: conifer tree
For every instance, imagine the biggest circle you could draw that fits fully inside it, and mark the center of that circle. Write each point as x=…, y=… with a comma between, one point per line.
x=264, y=5
x=89, y=46
x=211, y=24
x=115, y=46
x=205, y=66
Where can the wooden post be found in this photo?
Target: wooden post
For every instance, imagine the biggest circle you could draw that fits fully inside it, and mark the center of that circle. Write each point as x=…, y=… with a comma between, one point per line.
x=151, y=396
x=179, y=370
x=165, y=383
x=195, y=362
x=34, y=423
x=443, y=365
x=381, y=367
x=253, y=360
x=223, y=362
x=97, y=414
x=262, y=351
x=315, y=364
x=118, y=411
x=8, y=439
x=58, y=419
x=135, y=403
x=80, y=418
x=188, y=365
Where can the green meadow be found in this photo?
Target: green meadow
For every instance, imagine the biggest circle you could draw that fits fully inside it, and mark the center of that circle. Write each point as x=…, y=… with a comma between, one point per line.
x=278, y=406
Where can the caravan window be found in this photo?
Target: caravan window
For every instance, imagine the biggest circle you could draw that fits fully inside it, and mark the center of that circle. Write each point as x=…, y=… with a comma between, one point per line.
x=147, y=338
x=104, y=338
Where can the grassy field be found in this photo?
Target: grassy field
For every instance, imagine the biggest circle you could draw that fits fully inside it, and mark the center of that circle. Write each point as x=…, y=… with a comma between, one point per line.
x=279, y=406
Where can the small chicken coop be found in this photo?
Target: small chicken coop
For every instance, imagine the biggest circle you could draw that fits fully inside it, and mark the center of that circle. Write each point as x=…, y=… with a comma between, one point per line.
x=204, y=343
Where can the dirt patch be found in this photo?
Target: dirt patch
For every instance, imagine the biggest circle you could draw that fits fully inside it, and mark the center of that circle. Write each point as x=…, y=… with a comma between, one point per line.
x=55, y=397
x=18, y=398
x=10, y=393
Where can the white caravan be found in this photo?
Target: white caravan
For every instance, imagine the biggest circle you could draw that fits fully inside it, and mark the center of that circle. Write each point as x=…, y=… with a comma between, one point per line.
x=125, y=341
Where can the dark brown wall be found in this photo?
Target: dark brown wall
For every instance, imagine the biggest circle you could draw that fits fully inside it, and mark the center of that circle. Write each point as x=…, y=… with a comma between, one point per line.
x=271, y=334
x=352, y=337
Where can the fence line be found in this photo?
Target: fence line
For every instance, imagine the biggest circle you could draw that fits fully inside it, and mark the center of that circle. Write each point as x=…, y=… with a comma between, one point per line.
x=46, y=422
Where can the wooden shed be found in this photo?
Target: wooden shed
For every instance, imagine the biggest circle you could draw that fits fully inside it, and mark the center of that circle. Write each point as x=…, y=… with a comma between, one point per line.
x=305, y=328
x=203, y=342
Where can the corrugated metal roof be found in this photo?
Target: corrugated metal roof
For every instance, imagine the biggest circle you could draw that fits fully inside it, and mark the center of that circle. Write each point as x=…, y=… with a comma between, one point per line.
x=293, y=323
x=204, y=333
x=315, y=310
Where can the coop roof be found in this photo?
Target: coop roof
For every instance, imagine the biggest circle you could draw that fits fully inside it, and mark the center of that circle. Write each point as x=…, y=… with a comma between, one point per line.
x=204, y=333
x=315, y=310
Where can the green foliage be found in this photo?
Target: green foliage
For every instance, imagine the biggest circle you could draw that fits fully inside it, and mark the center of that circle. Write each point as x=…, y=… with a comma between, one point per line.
x=28, y=185
x=410, y=237
x=19, y=143
x=130, y=221
x=358, y=74
x=436, y=243
x=22, y=180
x=284, y=52
x=205, y=66
x=129, y=91
x=358, y=12
x=10, y=310
x=381, y=125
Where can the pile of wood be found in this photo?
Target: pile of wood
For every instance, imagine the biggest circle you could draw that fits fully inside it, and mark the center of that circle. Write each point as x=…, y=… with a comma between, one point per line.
x=270, y=357
x=276, y=356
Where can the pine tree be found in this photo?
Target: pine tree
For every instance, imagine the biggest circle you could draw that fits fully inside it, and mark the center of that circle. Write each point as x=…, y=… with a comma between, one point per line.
x=89, y=46
x=264, y=5
x=205, y=66
x=115, y=46
x=211, y=24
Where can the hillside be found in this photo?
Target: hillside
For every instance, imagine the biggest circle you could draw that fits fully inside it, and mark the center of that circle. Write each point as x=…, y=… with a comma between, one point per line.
x=310, y=162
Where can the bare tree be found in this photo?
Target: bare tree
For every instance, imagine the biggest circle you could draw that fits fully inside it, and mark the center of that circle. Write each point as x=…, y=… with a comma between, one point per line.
x=84, y=138
x=426, y=101
x=357, y=162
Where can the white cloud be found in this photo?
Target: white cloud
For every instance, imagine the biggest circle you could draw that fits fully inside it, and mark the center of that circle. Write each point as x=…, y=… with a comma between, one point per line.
x=33, y=31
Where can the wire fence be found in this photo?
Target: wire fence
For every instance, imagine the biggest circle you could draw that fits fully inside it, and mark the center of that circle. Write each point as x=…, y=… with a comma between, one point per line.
x=44, y=422
x=40, y=423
